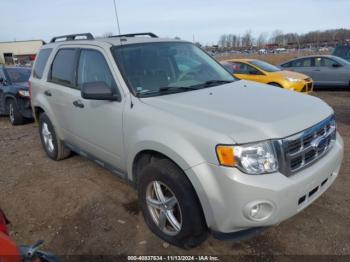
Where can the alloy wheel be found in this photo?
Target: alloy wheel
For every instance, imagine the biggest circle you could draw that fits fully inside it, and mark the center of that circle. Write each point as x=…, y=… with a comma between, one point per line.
x=164, y=208
x=47, y=137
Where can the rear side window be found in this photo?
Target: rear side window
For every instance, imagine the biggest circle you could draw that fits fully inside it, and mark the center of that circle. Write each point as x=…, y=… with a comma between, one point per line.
x=305, y=62
x=63, y=67
x=41, y=62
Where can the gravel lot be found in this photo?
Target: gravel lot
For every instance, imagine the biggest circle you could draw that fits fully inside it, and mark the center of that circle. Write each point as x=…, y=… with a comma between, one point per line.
x=78, y=207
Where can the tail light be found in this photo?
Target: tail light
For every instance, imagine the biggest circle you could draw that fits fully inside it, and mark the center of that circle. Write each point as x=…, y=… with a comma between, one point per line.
x=3, y=223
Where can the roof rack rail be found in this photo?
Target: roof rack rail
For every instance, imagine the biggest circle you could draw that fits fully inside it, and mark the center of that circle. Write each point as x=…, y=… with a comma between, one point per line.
x=136, y=34
x=71, y=37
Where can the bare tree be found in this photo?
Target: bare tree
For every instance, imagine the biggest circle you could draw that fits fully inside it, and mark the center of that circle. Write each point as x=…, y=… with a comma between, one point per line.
x=261, y=41
x=247, y=39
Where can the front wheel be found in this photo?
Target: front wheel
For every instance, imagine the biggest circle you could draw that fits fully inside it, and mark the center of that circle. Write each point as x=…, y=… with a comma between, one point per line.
x=170, y=205
x=15, y=116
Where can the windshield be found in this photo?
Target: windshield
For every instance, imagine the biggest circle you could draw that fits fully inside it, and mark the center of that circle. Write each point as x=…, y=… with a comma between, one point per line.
x=265, y=66
x=168, y=67
x=18, y=75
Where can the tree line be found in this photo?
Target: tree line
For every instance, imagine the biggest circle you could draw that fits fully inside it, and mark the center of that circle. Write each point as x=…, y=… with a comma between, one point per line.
x=278, y=38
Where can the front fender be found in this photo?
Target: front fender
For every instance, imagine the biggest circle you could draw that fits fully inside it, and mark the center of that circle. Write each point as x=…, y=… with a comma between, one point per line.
x=171, y=144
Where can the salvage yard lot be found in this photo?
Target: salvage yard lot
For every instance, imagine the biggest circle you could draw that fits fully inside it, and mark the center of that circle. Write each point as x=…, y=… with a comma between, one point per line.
x=78, y=207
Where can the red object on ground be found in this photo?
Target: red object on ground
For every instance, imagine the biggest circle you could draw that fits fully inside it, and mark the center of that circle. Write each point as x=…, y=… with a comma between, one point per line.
x=8, y=249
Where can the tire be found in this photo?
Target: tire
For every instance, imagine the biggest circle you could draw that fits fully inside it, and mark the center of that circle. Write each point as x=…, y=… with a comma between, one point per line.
x=192, y=229
x=275, y=84
x=15, y=116
x=53, y=146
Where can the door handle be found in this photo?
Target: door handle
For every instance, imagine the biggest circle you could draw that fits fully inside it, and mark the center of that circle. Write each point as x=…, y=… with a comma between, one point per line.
x=47, y=93
x=317, y=70
x=78, y=103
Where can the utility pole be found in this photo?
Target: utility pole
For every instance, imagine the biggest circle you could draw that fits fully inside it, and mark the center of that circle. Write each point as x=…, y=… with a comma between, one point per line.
x=116, y=16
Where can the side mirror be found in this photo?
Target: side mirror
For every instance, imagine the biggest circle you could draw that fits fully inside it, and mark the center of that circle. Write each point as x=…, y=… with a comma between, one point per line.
x=336, y=65
x=98, y=91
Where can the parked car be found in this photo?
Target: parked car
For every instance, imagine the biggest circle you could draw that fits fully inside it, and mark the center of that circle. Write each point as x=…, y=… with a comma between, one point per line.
x=14, y=94
x=342, y=51
x=325, y=70
x=206, y=153
x=263, y=72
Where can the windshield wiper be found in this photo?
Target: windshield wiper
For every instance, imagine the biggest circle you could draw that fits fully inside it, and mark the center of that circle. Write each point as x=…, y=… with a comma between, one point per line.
x=210, y=83
x=175, y=88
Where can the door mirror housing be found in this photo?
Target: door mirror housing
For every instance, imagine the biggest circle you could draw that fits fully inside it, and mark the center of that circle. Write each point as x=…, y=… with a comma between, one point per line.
x=98, y=90
x=336, y=65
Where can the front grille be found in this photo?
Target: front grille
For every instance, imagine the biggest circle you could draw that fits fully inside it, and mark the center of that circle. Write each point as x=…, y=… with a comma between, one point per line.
x=305, y=148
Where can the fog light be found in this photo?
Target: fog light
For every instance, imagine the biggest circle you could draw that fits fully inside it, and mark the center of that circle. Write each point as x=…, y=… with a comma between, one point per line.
x=258, y=210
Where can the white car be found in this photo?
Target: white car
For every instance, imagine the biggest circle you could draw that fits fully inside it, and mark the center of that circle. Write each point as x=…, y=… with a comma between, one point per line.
x=206, y=153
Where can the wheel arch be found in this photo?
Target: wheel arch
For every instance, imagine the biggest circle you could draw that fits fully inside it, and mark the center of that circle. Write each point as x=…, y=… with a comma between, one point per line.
x=146, y=155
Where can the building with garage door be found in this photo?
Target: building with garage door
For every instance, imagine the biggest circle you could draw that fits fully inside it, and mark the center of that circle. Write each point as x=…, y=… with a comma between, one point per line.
x=19, y=52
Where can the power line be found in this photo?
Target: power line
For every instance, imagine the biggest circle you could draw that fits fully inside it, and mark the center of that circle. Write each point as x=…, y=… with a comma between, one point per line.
x=116, y=15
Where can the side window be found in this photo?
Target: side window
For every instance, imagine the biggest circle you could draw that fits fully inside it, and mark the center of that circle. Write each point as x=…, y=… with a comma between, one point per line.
x=306, y=62
x=324, y=62
x=242, y=68
x=94, y=68
x=41, y=62
x=228, y=66
x=289, y=64
x=63, y=67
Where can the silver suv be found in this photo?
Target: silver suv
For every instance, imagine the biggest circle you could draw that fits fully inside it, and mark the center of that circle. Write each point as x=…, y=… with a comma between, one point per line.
x=205, y=152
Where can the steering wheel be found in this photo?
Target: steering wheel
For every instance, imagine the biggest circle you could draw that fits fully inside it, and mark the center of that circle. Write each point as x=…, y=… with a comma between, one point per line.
x=191, y=72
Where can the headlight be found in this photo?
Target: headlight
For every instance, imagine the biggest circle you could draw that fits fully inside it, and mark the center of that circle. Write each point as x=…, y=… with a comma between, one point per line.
x=24, y=93
x=253, y=159
x=293, y=80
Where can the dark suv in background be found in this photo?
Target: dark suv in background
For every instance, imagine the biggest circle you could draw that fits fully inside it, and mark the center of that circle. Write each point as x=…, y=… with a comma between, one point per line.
x=14, y=94
x=342, y=51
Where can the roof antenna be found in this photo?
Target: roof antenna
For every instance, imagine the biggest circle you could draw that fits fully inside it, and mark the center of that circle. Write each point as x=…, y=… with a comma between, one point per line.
x=116, y=16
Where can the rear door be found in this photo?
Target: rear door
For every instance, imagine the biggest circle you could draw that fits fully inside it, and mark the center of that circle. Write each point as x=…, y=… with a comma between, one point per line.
x=304, y=66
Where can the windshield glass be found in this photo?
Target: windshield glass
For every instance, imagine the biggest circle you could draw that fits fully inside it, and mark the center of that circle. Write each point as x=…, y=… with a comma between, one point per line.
x=18, y=75
x=265, y=66
x=168, y=67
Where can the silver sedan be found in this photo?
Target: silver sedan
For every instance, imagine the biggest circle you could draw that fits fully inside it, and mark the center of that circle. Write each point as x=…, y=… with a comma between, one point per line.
x=325, y=70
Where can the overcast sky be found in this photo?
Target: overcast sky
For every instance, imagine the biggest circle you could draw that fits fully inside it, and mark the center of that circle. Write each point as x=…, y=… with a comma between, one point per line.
x=205, y=19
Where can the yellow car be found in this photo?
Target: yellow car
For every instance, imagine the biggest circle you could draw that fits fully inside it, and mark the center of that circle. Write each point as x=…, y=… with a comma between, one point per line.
x=260, y=71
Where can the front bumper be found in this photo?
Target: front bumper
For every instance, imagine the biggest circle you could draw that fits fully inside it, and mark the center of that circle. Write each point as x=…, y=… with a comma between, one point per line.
x=24, y=107
x=302, y=86
x=224, y=192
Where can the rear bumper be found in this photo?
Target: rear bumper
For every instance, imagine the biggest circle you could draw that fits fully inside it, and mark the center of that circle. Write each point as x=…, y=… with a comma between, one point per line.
x=225, y=193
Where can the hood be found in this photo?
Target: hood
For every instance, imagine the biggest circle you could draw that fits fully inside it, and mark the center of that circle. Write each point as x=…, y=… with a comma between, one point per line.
x=285, y=73
x=21, y=85
x=245, y=111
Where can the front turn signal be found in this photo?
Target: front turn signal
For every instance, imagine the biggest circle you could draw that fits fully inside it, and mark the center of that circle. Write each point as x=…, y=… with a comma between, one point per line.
x=226, y=155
